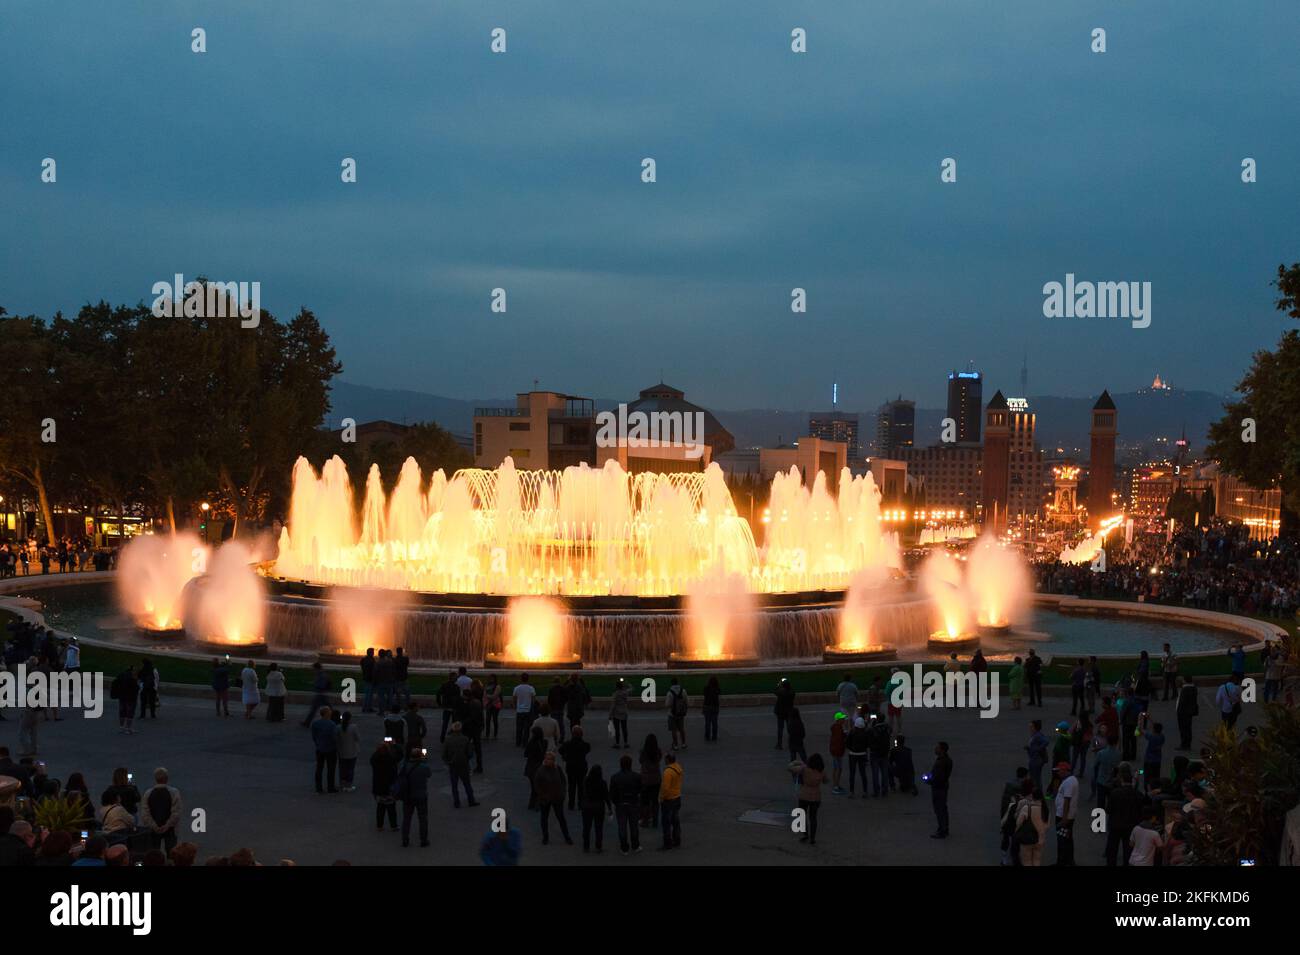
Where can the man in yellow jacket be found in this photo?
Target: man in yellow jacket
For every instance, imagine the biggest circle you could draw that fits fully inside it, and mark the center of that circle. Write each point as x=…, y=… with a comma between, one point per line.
x=670, y=803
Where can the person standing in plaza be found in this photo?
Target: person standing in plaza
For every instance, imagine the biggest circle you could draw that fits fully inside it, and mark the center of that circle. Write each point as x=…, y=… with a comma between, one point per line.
x=939, y=778
x=472, y=724
x=810, y=777
x=1016, y=682
x=678, y=705
x=126, y=690
x=1123, y=812
x=549, y=782
x=782, y=709
x=878, y=743
x=448, y=697
x=401, y=677
x=320, y=692
x=349, y=744
x=276, y=691
x=798, y=735
x=1034, y=677
x=383, y=775
x=574, y=753
x=1154, y=734
x=1169, y=670
x=1092, y=685
x=595, y=804
x=367, y=681
x=1066, y=790
x=670, y=802
x=492, y=708
x=325, y=737
x=249, y=690
x=1034, y=811
x=650, y=781
x=858, y=747
x=618, y=713
x=1228, y=700
x=455, y=754
x=625, y=795
x=148, y=690
x=160, y=812
x=837, y=748
x=413, y=789
x=846, y=694
x=524, y=695
x=1078, y=681
x=900, y=766
x=385, y=680
x=710, y=708
x=1036, y=749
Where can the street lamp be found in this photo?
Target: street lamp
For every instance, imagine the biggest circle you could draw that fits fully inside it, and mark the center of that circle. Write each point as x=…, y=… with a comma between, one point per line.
x=204, y=507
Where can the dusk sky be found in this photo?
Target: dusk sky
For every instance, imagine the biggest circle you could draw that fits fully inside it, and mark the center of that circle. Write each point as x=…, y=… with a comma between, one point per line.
x=775, y=170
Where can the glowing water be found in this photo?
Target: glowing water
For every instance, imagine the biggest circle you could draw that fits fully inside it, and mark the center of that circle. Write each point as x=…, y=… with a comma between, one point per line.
x=228, y=605
x=583, y=531
x=152, y=572
x=535, y=631
x=721, y=618
x=998, y=583
x=860, y=626
x=941, y=581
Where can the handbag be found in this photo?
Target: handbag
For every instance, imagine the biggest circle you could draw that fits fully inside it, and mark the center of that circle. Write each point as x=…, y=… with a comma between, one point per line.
x=1027, y=833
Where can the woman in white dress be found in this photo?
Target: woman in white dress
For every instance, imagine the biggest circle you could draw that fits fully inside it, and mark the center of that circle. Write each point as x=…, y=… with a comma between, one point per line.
x=252, y=696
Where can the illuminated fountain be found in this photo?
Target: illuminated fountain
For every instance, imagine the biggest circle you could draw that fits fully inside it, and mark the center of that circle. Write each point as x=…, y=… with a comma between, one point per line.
x=579, y=532
x=152, y=574
x=536, y=637
x=998, y=583
x=1086, y=551
x=228, y=610
x=360, y=618
x=941, y=581
x=721, y=624
x=860, y=619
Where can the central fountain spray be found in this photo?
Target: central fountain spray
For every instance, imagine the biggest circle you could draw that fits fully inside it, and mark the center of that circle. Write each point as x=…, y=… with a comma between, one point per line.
x=536, y=637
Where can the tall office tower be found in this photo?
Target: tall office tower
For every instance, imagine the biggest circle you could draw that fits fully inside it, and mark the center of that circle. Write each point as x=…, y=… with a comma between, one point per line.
x=1101, y=460
x=895, y=427
x=965, y=404
x=995, y=495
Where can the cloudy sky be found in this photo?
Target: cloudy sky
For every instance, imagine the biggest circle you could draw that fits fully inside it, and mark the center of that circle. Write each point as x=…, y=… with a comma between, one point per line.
x=775, y=170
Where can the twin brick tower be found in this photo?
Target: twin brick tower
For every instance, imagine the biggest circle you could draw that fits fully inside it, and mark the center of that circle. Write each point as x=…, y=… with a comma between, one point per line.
x=999, y=424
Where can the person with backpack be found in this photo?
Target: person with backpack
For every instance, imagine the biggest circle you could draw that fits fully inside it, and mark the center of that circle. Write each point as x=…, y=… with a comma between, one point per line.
x=900, y=766
x=625, y=796
x=550, y=785
x=161, y=812
x=1033, y=816
x=576, y=700
x=595, y=802
x=325, y=737
x=1034, y=678
x=678, y=704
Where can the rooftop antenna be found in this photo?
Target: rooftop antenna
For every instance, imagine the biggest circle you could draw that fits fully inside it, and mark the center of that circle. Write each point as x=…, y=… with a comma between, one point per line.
x=835, y=395
x=1024, y=375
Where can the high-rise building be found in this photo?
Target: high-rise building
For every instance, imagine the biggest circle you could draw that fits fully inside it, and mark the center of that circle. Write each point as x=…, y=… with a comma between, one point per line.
x=837, y=426
x=997, y=463
x=965, y=404
x=1101, y=460
x=1025, y=493
x=895, y=427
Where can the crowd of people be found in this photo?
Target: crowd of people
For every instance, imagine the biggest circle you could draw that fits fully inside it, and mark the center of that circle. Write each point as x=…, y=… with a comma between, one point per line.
x=1218, y=567
x=67, y=556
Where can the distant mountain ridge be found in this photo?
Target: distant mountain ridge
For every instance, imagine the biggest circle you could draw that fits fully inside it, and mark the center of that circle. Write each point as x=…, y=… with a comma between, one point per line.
x=1144, y=416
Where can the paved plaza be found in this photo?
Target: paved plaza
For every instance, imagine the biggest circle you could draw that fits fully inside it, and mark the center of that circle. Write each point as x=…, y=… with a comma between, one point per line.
x=254, y=780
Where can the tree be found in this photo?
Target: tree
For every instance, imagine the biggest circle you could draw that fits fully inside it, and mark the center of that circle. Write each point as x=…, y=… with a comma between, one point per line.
x=31, y=407
x=1258, y=439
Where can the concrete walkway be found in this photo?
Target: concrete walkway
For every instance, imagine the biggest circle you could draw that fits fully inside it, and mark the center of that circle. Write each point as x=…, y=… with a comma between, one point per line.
x=254, y=779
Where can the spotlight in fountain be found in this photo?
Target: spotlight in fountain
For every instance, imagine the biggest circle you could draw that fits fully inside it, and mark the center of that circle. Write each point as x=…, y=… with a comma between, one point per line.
x=858, y=624
x=228, y=614
x=998, y=585
x=721, y=624
x=360, y=618
x=153, y=573
x=536, y=638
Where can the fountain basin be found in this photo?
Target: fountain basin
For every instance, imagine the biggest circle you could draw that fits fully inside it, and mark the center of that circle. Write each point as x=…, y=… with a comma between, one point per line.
x=994, y=629
x=221, y=648
x=499, y=661
x=161, y=633
x=698, y=661
x=941, y=642
x=859, y=654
